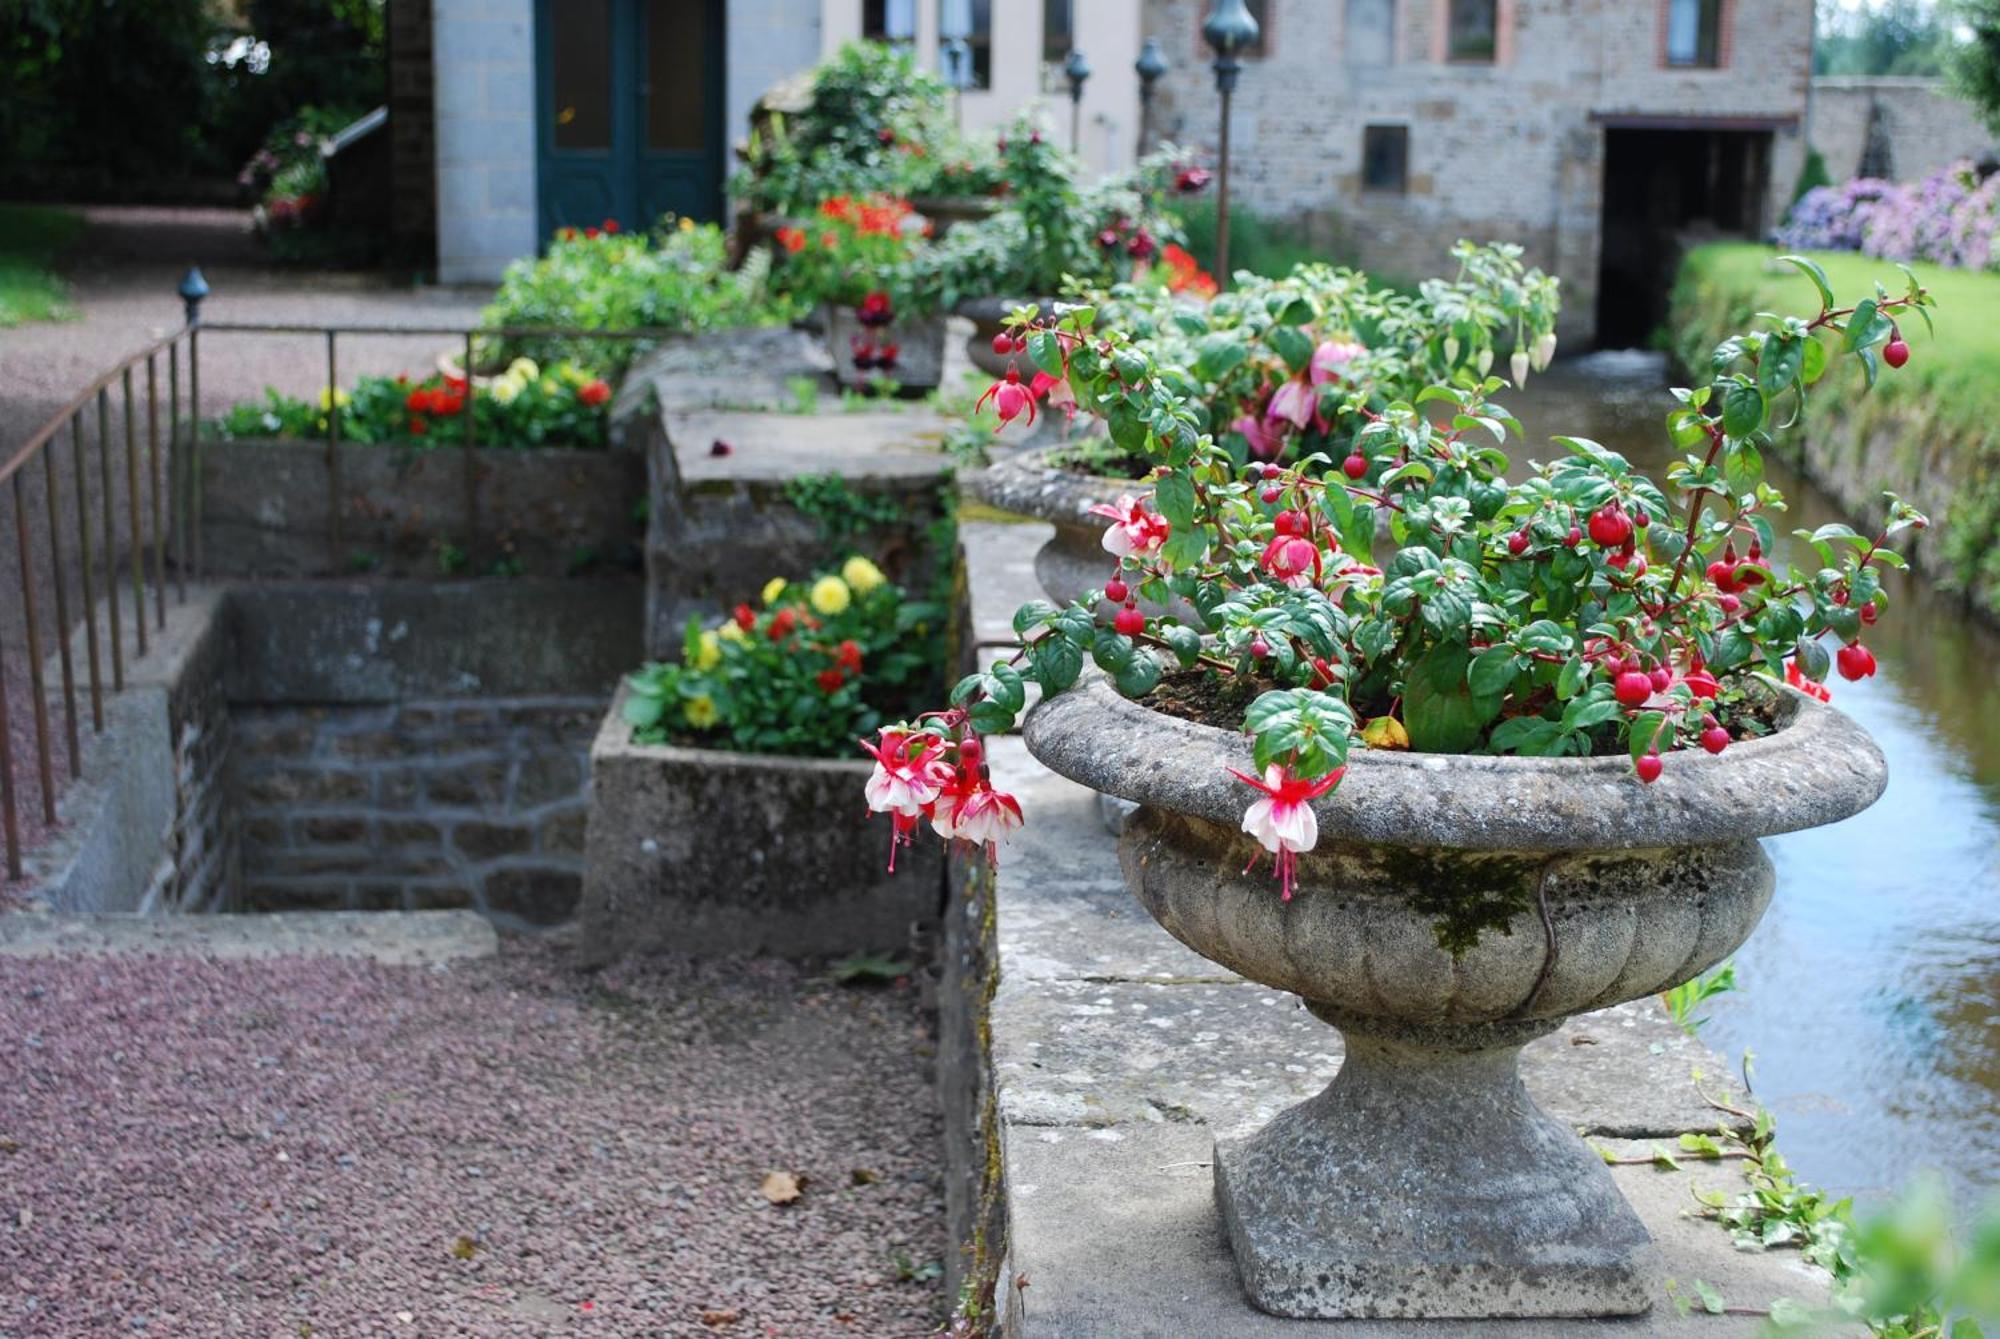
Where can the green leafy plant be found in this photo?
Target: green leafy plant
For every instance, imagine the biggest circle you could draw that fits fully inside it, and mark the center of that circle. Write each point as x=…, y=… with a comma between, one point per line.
x=1574, y=611
x=1684, y=999
x=823, y=663
x=673, y=278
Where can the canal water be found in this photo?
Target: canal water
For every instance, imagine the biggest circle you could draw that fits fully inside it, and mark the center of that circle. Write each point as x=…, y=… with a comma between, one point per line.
x=1870, y=995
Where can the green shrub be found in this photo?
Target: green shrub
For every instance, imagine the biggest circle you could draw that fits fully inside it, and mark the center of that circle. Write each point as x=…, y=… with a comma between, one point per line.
x=675, y=278
x=524, y=406
x=1257, y=244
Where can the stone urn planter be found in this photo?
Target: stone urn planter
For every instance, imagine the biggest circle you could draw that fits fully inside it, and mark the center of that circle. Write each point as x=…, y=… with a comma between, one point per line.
x=1455, y=908
x=918, y=343
x=1073, y=563
x=946, y=211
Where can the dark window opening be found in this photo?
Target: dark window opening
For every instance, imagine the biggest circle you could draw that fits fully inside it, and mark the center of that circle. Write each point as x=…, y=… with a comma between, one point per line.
x=1058, y=30
x=1385, y=159
x=889, y=21
x=981, y=41
x=1474, y=32
x=1694, y=34
x=580, y=73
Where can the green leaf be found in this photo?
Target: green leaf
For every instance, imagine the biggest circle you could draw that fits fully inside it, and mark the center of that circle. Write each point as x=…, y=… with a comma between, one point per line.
x=1492, y=672
x=1743, y=410
x=1811, y=269
x=1646, y=729
x=1138, y=676
x=1570, y=681
x=1780, y=364
x=1185, y=643
x=1293, y=345
x=1032, y=615
x=1218, y=355
x=1046, y=351
x=1814, y=364
x=990, y=717
x=1111, y=650
x=1438, y=704
x=1174, y=496
x=1056, y=662
x=1711, y=1300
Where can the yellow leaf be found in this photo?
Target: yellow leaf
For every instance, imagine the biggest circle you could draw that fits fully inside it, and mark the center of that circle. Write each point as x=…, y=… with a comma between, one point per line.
x=1385, y=732
x=780, y=1187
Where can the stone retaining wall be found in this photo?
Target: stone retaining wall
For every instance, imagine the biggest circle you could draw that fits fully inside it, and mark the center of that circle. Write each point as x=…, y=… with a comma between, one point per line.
x=415, y=806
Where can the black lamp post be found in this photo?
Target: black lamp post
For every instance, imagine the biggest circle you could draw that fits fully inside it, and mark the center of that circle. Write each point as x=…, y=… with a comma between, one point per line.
x=1230, y=29
x=1077, y=69
x=1152, y=63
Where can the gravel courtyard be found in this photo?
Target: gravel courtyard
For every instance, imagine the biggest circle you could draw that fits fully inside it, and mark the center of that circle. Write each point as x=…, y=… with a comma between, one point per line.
x=316, y=1147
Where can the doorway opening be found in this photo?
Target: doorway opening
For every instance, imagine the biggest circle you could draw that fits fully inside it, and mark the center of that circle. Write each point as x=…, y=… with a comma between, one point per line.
x=1665, y=187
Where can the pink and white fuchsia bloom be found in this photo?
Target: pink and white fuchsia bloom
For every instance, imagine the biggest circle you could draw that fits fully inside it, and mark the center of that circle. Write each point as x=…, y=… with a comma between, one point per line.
x=1331, y=357
x=1283, y=821
x=1137, y=530
x=910, y=773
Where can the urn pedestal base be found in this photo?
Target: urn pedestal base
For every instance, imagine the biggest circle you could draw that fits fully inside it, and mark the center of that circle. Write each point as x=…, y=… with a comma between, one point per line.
x=1424, y=1182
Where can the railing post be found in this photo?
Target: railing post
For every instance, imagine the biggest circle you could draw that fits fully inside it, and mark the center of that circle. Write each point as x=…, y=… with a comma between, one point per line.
x=10, y=824
x=153, y=472
x=471, y=459
x=89, y=594
x=177, y=470
x=62, y=611
x=132, y=514
x=332, y=456
x=110, y=540
x=29, y=616
x=194, y=288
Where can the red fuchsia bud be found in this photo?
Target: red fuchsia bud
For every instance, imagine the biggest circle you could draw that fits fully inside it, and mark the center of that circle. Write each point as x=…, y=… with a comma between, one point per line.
x=1271, y=495
x=1614, y=665
x=1722, y=574
x=1642, y=520
x=1855, y=661
x=1289, y=522
x=1260, y=648
x=969, y=753
x=1649, y=768
x=1129, y=621
x=1632, y=687
x=1663, y=679
x=1756, y=551
x=1701, y=683
x=886, y=135
x=1610, y=526
x=1840, y=598
x=1020, y=343
x=1715, y=739
x=1116, y=591
x=1108, y=238
x=1895, y=353
x=1729, y=604
x=1354, y=466
x=1573, y=538
x=1869, y=613
x=1517, y=543
x=1003, y=344
x=1271, y=471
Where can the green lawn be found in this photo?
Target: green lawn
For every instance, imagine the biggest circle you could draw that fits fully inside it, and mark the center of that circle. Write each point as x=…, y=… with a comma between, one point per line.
x=31, y=237
x=1957, y=369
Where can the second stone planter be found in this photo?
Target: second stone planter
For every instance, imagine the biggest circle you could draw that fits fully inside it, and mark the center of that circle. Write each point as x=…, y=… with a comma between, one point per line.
x=1073, y=564
x=1455, y=909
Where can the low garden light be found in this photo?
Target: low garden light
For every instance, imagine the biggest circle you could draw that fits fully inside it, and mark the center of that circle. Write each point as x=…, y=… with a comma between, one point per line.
x=1152, y=63
x=193, y=288
x=1076, y=69
x=1229, y=30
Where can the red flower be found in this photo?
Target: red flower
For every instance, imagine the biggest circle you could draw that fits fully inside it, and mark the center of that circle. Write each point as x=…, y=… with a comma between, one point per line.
x=418, y=427
x=875, y=309
x=418, y=401
x=782, y=624
x=1191, y=179
x=830, y=680
x=446, y=403
x=792, y=240
x=593, y=393
x=590, y=233
x=848, y=656
x=611, y=226
x=567, y=234
x=1009, y=399
x=746, y=617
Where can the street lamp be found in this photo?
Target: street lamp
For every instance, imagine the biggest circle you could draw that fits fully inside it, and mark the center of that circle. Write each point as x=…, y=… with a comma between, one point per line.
x=1152, y=63
x=1230, y=29
x=955, y=26
x=1076, y=69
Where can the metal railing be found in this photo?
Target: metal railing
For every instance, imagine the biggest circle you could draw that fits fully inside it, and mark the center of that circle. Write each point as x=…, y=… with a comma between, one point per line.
x=161, y=509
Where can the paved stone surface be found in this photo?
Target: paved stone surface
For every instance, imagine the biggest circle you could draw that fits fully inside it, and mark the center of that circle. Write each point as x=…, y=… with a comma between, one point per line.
x=1114, y=1235
x=867, y=444
x=393, y=938
x=1003, y=554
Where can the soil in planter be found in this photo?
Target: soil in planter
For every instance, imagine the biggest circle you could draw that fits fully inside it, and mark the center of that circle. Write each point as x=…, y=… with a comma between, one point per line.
x=1098, y=457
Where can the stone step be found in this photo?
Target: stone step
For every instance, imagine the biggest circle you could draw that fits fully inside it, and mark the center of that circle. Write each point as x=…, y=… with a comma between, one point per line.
x=393, y=938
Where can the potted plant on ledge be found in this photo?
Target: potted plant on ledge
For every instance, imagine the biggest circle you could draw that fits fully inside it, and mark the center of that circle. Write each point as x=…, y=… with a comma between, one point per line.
x=1508, y=764
x=853, y=257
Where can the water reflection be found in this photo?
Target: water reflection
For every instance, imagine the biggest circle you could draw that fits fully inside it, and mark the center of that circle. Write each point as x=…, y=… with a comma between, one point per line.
x=1870, y=996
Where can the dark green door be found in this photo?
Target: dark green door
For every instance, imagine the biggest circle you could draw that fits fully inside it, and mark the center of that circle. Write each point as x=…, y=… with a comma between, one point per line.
x=629, y=111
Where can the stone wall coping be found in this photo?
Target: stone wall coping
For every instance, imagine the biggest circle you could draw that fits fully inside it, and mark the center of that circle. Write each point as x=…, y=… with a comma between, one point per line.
x=1819, y=766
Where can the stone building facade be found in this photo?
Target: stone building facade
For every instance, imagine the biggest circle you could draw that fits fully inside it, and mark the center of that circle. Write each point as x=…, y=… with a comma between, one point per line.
x=1391, y=128
x=1916, y=125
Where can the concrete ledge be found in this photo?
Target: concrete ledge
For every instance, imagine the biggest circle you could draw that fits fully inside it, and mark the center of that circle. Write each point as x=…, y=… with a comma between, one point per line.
x=709, y=852
x=395, y=938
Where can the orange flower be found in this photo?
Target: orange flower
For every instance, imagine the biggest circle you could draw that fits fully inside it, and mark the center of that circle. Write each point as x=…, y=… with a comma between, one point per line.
x=792, y=240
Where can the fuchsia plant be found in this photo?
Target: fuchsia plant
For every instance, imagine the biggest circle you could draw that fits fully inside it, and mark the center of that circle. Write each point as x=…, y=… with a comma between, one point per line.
x=1573, y=612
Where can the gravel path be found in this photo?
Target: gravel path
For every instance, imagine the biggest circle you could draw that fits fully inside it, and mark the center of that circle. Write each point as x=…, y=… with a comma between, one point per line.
x=319, y=1147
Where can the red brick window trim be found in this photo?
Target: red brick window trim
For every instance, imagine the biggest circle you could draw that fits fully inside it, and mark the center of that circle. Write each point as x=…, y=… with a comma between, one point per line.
x=1503, y=36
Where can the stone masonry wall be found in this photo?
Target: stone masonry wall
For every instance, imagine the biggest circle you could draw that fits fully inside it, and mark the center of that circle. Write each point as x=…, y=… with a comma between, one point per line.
x=1927, y=127
x=198, y=871
x=426, y=804
x=1507, y=151
x=485, y=135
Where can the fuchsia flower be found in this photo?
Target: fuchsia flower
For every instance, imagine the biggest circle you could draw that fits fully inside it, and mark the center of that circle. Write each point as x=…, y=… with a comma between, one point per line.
x=1283, y=821
x=1292, y=559
x=1056, y=390
x=971, y=810
x=910, y=773
x=1330, y=357
x=1266, y=442
x=1294, y=402
x=1137, y=529
x=1009, y=398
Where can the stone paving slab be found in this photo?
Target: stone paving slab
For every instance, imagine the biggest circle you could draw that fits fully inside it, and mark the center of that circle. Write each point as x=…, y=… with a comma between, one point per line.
x=1114, y=1235
x=869, y=444
x=393, y=938
x=1003, y=555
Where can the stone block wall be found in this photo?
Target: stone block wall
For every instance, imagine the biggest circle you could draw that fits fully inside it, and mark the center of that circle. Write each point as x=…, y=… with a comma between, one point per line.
x=484, y=96
x=198, y=871
x=1924, y=125
x=431, y=804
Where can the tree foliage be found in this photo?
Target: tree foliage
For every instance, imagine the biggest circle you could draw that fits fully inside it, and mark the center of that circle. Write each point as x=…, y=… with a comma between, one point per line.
x=1904, y=37
x=1975, y=64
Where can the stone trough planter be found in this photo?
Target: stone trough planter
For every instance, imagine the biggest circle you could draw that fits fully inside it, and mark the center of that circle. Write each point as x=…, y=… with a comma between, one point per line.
x=708, y=852
x=1424, y=1182
x=277, y=507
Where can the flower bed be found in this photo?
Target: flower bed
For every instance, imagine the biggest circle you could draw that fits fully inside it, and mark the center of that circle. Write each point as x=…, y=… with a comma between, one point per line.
x=1950, y=218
